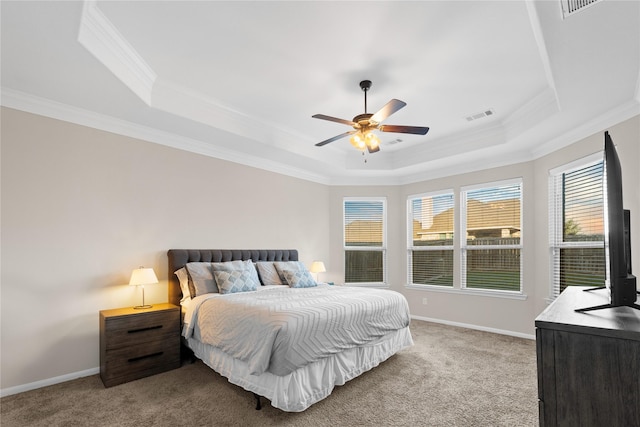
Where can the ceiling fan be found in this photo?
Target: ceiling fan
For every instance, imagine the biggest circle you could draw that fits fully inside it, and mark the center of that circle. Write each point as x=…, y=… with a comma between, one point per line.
x=363, y=124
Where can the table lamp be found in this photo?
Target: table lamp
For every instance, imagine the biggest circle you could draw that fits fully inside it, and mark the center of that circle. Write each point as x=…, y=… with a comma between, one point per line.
x=317, y=267
x=140, y=277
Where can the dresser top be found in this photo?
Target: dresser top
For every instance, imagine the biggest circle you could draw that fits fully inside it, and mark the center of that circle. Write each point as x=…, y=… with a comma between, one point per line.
x=620, y=322
x=125, y=311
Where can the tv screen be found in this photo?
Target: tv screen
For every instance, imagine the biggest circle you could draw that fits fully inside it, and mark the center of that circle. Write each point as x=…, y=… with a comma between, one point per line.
x=620, y=283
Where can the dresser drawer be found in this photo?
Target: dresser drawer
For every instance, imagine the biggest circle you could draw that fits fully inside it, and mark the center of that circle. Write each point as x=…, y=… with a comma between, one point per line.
x=129, y=330
x=130, y=363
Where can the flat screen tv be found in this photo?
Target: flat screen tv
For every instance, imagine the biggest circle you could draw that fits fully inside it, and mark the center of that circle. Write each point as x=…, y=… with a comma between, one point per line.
x=620, y=283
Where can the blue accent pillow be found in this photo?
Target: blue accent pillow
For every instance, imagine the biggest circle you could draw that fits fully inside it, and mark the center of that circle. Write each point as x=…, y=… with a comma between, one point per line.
x=298, y=278
x=232, y=281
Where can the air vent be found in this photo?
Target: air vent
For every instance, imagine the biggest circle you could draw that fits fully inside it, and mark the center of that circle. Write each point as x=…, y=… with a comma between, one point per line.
x=569, y=7
x=394, y=141
x=479, y=115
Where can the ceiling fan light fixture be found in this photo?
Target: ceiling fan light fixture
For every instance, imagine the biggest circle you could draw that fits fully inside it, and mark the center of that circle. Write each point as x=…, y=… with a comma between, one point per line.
x=358, y=141
x=366, y=139
x=372, y=141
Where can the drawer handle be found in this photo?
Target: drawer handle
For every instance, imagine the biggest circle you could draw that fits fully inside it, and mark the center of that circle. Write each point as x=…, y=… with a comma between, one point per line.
x=135, y=359
x=133, y=331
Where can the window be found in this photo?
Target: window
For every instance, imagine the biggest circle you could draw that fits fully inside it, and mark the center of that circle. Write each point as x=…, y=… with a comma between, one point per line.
x=491, y=242
x=365, y=240
x=430, y=238
x=576, y=224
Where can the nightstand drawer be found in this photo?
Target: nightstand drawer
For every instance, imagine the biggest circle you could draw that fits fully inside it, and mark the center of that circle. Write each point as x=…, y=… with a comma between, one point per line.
x=130, y=330
x=130, y=363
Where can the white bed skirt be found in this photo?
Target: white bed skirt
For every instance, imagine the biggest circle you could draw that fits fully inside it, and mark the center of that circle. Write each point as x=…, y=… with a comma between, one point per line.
x=305, y=386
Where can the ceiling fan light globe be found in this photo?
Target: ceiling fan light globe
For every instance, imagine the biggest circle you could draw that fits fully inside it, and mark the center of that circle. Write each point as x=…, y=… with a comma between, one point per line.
x=372, y=140
x=358, y=141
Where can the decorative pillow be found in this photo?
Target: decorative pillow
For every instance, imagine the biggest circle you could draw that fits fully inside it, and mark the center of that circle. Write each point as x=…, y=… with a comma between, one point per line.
x=252, y=270
x=241, y=266
x=232, y=281
x=183, y=277
x=288, y=265
x=299, y=278
x=268, y=273
x=200, y=278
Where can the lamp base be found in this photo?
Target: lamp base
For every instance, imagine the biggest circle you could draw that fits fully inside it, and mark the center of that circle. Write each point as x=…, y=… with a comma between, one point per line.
x=138, y=307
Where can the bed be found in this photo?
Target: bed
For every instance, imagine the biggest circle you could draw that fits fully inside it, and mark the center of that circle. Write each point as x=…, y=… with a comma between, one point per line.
x=291, y=342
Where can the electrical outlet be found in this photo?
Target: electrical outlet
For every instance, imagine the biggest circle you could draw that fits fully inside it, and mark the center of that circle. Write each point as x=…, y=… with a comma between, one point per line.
x=424, y=301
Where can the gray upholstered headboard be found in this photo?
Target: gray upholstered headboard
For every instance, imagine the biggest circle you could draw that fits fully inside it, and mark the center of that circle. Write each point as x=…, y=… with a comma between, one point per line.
x=178, y=258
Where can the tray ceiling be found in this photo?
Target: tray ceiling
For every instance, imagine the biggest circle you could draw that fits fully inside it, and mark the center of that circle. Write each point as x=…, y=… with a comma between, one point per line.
x=241, y=80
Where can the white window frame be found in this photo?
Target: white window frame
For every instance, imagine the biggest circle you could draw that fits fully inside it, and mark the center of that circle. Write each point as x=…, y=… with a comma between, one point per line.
x=382, y=248
x=464, y=248
x=411, y=248
x=556, y=220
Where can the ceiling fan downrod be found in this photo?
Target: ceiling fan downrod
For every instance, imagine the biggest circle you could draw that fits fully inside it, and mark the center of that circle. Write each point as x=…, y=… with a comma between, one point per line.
x=365, y=85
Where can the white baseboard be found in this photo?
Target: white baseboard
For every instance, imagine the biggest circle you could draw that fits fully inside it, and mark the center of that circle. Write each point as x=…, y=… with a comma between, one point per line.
x=50, y=381
x=479, y=328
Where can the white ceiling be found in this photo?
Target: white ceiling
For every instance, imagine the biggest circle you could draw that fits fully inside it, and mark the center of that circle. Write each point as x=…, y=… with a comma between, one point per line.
x=240, y=80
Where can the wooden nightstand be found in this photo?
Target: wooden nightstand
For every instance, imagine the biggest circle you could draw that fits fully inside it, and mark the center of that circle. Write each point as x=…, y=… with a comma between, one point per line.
x=137, y=343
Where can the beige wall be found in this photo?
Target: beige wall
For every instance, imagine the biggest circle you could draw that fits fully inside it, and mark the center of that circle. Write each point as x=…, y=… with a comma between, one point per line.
x=486, y=312
x=81, y=208
x=493, y=313
x=626, y=137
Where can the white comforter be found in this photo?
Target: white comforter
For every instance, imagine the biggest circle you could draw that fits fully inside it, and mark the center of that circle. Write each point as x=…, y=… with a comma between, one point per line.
x=280, y=329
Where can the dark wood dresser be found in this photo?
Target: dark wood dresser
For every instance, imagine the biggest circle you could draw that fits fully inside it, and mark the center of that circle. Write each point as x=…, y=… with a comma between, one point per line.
x=588, y=363
x=136, y=343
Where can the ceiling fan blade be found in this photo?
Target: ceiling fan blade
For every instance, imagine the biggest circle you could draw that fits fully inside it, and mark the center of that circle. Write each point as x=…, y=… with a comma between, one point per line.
x=416, y=130
x=335, y=138
x=389, y=108
x=333, y=119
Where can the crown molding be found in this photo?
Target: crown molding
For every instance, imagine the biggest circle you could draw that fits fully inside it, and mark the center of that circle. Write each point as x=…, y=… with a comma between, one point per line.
x=56, y=110
x=590, y=127
x=103, y=40
x=531, y=113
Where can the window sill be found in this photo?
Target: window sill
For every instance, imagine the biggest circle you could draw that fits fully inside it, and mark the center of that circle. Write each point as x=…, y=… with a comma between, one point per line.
x=476, y=292
x=366, y=285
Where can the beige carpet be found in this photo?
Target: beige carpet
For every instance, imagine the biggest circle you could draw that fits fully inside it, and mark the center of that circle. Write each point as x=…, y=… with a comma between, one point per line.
x=451, y=377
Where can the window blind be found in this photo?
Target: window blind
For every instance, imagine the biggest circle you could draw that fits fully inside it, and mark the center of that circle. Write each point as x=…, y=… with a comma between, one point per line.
x=576, y=232
x=364, y=240
x=492, y=243
x=430, y=239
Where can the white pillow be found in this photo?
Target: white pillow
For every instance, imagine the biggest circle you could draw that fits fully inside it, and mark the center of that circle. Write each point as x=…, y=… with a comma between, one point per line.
x=183, y=277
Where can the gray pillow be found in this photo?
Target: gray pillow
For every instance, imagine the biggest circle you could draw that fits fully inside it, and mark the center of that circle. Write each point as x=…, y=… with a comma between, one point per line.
x=288, y=265
x=268, y=273
x=200, y=278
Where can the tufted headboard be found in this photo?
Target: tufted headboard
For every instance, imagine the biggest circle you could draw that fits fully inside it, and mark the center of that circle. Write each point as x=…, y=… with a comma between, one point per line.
x=178, y=258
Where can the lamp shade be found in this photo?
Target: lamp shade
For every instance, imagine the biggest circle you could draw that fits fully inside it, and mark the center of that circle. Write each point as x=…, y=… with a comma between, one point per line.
x=143, y=276
x=317, y=267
